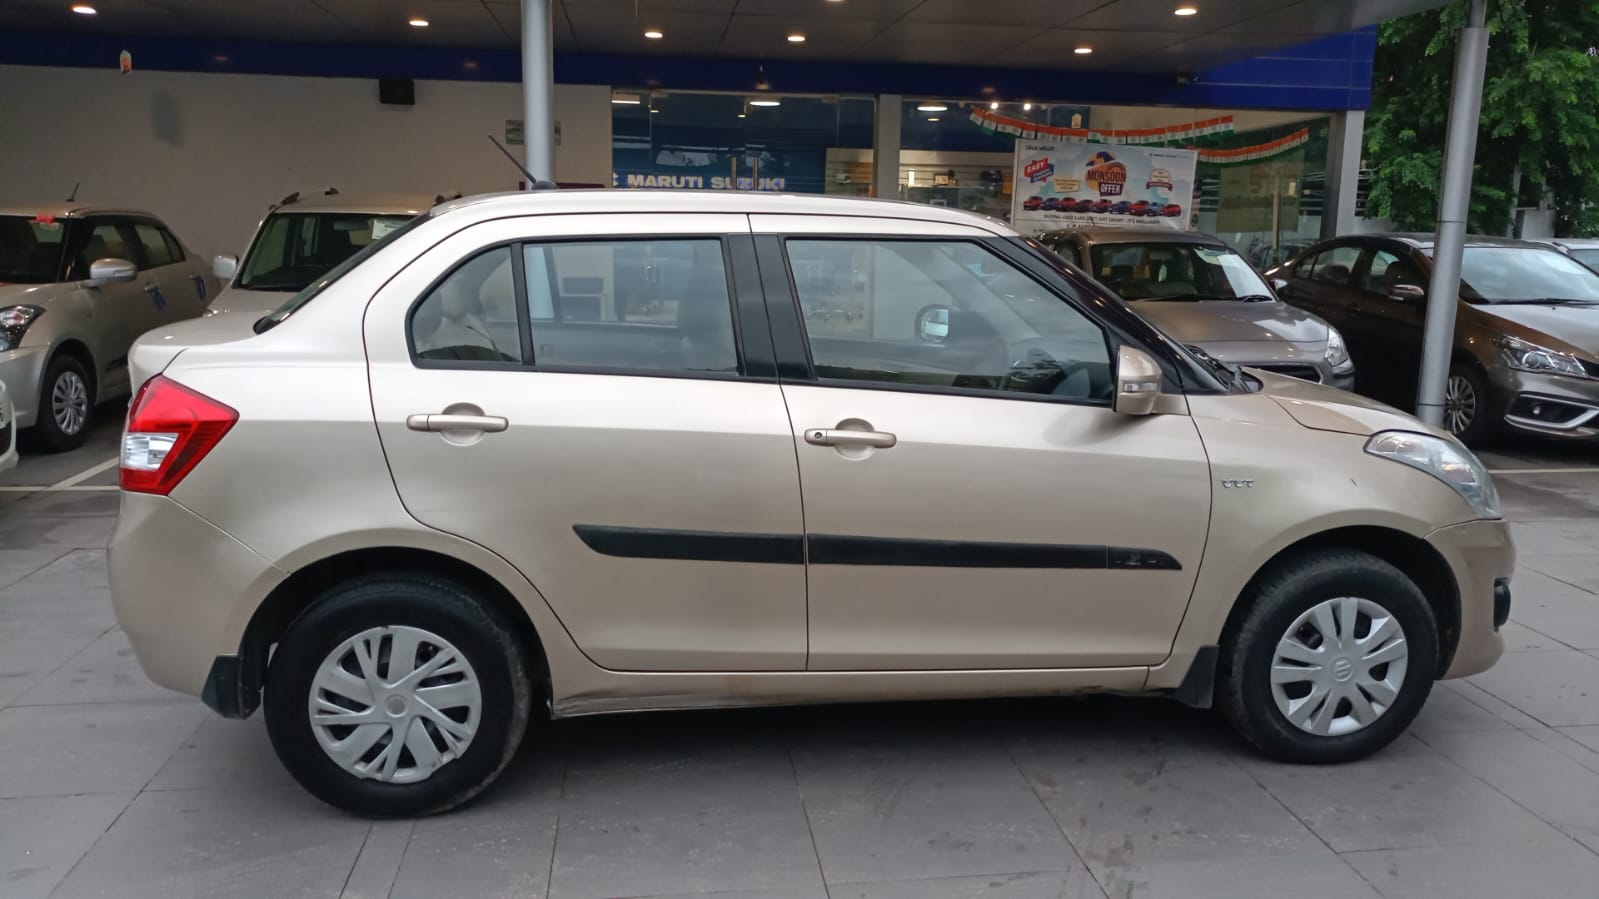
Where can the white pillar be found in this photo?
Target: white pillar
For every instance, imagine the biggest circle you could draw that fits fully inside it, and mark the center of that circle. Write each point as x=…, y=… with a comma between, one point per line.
x=1345, y=140
x=885, y=147
x=538, y=89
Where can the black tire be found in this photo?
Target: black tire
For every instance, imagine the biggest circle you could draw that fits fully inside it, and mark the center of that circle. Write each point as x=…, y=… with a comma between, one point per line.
x=434, y=604
x=1481, y=429
x=46, y=433
x=1280, y=596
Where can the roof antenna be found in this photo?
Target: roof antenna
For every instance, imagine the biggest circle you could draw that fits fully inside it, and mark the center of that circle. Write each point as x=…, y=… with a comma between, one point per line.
x=74, y=197
x=533, y=182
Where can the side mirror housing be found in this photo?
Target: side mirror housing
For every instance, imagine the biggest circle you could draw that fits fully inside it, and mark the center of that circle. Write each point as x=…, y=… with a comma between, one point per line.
x=1279, y=284
x=224, y=267
x=932, y=324
x=110, y=271
x=1407, y=293
x=1137, y=382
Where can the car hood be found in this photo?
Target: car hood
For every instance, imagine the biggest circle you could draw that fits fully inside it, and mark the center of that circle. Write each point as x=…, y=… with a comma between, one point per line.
x=260, y=302
x=1328, y=409
x=1575, y=326
x=1212, y=322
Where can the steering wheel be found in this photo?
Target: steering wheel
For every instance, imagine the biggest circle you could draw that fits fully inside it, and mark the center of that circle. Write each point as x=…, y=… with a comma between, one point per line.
x=1035, y=371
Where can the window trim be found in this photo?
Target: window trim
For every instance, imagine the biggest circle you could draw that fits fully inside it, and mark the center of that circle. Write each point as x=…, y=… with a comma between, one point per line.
x=797, y=310
x=133, y=224
x=524, y=315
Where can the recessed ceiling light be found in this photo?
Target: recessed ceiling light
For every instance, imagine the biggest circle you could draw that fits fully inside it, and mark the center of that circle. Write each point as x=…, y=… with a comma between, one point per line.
x=625, y=99
x=654, y=34
x=1027, y=107
x=796, y=38
x=1185, y=11
x=418, y=22
x=741, y=115
x=84, y=9
x=220, y=57
x=932, y=107
x=932, y=118
x=994, y=105
x=653, y=110
x=766, y=103
x=1083, y=51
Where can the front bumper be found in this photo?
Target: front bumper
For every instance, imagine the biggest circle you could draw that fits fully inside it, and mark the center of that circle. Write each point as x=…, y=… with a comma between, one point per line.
x=1482, y=557
x=21, y=370
x=1551, y=405
x=8, y=431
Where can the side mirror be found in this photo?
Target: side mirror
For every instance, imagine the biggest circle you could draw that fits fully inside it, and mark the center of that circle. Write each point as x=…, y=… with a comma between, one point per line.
x=110, y=271
x=1137, y=382
x=1407, y=293
x=1279, y=284
x=224, y=267
x=932, y=324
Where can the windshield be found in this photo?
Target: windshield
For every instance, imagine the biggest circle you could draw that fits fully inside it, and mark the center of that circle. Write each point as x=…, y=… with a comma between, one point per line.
x=1175, y=271
x=310, y=291
x=1525, y=274
x=1588, y=256
x=293, y=249
x=31, y=249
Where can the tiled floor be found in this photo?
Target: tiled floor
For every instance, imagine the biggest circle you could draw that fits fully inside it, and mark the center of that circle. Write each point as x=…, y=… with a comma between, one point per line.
x=111, y=786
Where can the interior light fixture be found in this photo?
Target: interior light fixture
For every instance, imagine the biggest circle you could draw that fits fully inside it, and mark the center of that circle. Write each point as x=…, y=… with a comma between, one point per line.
x=1185, y=11
x=1027, y=107
x=796, y=38
x=932, y=118
x=654, y=34
x=768, y=103
x=418, y=22
x=994, y=105
x=626, y=99
x=1083, y=51
x=932, y=107
x=84, y=9
x=741, y=115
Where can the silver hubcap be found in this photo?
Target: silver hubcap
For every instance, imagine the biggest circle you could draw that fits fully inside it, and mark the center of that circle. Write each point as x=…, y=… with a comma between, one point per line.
x=1460, y=404
x=69, y=402
x=1340, y=666
x=395, y=704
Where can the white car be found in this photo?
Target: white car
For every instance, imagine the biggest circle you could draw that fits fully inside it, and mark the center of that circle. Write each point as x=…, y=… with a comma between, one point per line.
x=302, y=238
x=8, y=431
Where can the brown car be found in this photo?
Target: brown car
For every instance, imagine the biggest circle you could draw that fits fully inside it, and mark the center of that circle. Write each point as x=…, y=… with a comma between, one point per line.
x=1526, y=355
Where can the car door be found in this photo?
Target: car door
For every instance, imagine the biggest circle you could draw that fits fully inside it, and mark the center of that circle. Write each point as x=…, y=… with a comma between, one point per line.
x=1390, y=328
x=543, y=388
x=182, y=283
x=119, y=312
x=971, y=501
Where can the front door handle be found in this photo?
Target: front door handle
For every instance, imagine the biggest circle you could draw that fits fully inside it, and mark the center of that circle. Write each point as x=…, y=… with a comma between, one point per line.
x=437, y=421
x=843, y=437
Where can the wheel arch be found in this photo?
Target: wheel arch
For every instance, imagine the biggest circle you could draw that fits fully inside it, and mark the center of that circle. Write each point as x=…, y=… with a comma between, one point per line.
x=79, y=350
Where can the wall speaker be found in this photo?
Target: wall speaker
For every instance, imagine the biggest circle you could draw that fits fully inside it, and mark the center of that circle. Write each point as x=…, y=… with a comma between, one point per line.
x=397, y=91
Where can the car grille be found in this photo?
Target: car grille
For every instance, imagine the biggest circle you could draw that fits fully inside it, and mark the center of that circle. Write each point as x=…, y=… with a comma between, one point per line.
x=1592, y=368
x=1302, y=372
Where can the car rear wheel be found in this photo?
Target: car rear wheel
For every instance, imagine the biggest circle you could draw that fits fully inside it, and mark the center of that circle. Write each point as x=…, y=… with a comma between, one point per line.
x=1333, y=659
x=65, y=401
x=397, y=695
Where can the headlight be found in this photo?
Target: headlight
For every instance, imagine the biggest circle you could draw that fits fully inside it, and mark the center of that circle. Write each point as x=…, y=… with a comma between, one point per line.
x=14, y=322
x=1337, y=353
x=1443, y=459
x=1525, y=356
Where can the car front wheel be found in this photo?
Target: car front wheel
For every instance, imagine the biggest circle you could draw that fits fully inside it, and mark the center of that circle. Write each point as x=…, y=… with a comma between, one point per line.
x=1333, y=659
x=397, y=695
x=65, y=400
x=1467, y=412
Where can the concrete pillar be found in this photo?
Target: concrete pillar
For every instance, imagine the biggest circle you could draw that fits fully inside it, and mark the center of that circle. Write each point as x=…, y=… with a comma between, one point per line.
x=1345, y=142
x=538, y=89
x=885, y=147
x=1454, y=203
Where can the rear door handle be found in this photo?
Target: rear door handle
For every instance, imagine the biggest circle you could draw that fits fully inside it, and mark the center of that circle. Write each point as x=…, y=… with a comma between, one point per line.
x=843, y=437
x=492, y=424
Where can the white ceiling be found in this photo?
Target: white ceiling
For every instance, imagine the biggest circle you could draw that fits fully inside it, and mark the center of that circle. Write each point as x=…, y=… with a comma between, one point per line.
x=1127, y=35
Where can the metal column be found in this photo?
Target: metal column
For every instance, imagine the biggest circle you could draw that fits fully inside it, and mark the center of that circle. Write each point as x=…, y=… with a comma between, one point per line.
x=885, y=147
x=1345, y=140
x=538, y=89
x=1454, y=203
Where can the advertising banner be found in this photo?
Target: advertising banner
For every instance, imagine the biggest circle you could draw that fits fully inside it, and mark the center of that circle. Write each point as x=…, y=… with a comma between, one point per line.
x=1066, y=184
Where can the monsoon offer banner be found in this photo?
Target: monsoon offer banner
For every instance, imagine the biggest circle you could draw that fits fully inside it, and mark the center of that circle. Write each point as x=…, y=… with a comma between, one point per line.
x=1068, y=184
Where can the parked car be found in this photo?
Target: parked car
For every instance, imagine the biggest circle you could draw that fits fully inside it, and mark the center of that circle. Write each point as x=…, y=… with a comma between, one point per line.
x=1201, y=293
x=77, y=285
x=1052, y=204
x=8, y=431
x=1526, y=349
x=1139, y=208
x=1100, y=206
x=1121, y=207
x=1583, y=249
x=363, y=536
x=1068, y=204
x=1033, y=204
x=1172, y=210
x=303, y=237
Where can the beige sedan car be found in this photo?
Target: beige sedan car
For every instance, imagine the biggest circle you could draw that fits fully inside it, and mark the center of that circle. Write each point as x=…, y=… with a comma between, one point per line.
x=586, y=452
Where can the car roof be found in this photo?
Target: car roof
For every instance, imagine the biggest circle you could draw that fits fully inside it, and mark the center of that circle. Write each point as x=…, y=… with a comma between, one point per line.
x=567, y=202
x=1582, y=242
x=1139, y=235
x=1424, y=241
x=369, y=203
x=63, y=210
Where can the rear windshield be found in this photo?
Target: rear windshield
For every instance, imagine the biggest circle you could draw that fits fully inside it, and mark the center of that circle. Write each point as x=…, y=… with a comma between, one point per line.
x=31, y=249
x=294, y=249
x=310, y=291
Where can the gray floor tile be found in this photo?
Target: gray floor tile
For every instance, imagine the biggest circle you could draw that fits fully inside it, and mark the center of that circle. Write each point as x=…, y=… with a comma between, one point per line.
x=104, y=671
x=1523, y=638
x=1575, y=570
x=1493, y=704
x=36, y=531
x=1314, y=875
x=78, y=568
x=1545, y=782
x=379, y=861
x=1558, y=688
x=697, y=827
x=1587, y=736
x=500, y=845
x=31, y=648
x=27, y=600
x=1075, y=884
x=1553, y=867
x=1448, y=710
x=60, y=750
x=42, y=838
x=1567, y=537
x=223, y=754
x=1568, y=615
x=791, y=893
x=78, y=503
x=1561, y=742
x=221, y=844
x=901, y=813
x=1407, y=795
x=16, y=564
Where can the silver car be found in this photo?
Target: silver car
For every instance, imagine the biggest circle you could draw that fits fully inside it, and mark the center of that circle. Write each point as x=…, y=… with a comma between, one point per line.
x=305, y=235
x=1204, y=294
x=1583, y=249
x=77, y=285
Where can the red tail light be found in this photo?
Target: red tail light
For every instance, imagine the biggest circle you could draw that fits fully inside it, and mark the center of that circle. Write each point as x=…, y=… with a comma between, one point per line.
x=170, y=429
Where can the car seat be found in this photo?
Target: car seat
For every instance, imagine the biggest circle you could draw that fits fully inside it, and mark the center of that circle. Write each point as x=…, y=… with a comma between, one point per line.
x=705, y=320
